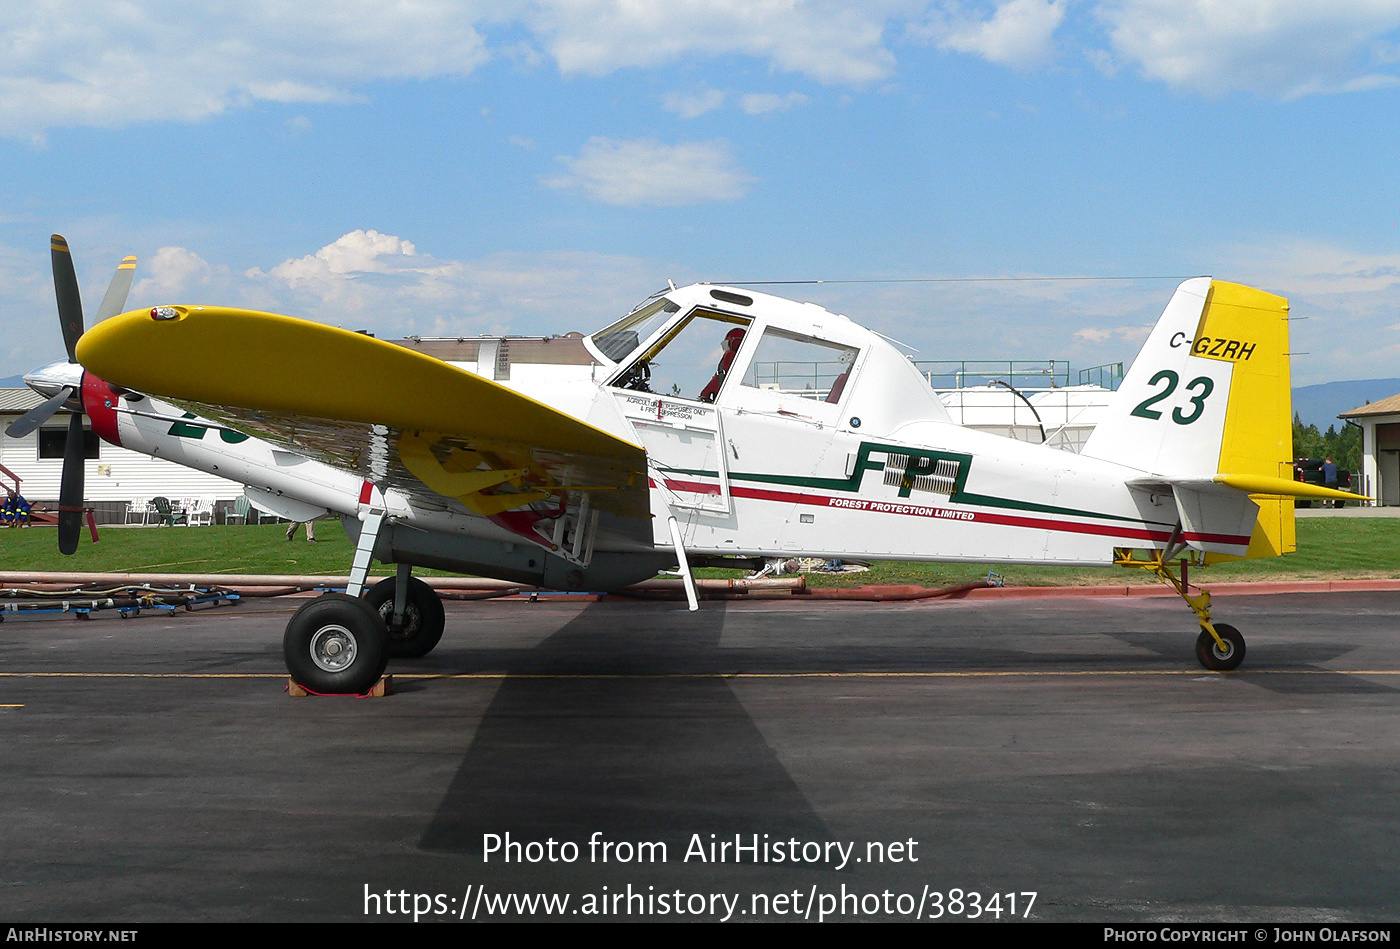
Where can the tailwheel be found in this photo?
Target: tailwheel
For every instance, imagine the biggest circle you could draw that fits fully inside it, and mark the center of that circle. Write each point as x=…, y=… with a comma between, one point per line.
x=336, y=644
x=423, y=618
x=1218, y=659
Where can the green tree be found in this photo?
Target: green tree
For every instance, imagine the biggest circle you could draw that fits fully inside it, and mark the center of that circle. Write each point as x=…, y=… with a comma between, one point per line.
x=1307, y=440
x=1342, y=447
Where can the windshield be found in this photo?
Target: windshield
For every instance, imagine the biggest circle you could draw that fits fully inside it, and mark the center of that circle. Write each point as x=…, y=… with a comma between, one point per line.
x=692, y=360
x=622, y=338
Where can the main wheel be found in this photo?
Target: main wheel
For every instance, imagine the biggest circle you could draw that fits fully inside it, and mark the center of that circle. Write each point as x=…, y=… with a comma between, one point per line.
x=423, y=618
x=1214, y=658
x=336, y=643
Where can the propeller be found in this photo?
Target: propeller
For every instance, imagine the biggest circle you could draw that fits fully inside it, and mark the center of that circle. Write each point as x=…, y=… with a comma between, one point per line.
x=62, y=382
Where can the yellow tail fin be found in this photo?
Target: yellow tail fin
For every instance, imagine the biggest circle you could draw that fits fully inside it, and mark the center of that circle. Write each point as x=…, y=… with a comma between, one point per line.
x=1249, y=328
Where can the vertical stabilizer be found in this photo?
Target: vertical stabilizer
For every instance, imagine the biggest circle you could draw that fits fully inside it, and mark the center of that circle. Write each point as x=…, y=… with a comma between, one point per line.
x=1210, y=395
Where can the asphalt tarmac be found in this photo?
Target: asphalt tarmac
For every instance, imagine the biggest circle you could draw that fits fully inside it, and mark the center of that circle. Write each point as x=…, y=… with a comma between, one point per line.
x=873, y=761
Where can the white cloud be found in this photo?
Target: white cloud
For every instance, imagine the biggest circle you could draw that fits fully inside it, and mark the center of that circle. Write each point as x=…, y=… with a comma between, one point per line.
x=29, y=332
x=690, y=105
x=85, y=62
x=651, y=173
x=1285, y=48
x=362, y=280
x=174, y=272
x=827, y=40
x=1094, y=334
x=1342, y=302
x=357, y=252
x=1301, y=267
x=96, y=63
x=1019, y=33
x=381, y=282
x=759, y=103
x=67, y=63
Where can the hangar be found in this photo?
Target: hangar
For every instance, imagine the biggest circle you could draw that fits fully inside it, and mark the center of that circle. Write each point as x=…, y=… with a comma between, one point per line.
x=1380, y=448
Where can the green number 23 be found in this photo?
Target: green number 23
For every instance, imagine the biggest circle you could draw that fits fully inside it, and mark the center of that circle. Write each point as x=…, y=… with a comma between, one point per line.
x=1198, y=399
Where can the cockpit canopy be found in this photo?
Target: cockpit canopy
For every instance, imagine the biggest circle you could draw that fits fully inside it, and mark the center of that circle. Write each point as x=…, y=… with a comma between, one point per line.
x=752, y=352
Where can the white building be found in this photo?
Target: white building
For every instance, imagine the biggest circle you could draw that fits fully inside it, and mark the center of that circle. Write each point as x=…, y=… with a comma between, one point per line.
x=1380, y=449
x=113, y=476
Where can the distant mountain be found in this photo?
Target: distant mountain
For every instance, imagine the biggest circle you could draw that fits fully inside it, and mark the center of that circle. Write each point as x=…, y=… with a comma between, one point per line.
x=1320, y=404
x=12, y=382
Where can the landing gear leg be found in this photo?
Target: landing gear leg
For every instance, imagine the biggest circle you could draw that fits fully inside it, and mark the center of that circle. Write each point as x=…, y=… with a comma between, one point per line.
x=338, y=643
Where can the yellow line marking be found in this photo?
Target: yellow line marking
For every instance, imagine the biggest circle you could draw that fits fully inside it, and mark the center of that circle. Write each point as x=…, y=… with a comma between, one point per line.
x=713, y=675
x=11, y=706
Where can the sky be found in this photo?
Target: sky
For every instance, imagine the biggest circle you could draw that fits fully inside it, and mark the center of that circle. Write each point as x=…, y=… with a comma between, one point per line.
x=435, y=167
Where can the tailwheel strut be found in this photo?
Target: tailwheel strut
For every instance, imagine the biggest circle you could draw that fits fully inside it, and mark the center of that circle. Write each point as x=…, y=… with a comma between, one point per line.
x=1220, y=647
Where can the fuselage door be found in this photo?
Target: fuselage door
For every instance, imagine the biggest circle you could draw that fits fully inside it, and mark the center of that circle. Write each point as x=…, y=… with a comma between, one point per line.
x=668, y=394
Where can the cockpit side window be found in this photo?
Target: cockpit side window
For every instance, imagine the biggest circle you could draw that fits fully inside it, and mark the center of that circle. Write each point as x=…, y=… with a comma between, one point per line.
x=801, y=365
x=692, y=360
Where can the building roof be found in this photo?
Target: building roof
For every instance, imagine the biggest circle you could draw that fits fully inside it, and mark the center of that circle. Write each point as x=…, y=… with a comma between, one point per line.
x=18, y=401
x=1390, y=406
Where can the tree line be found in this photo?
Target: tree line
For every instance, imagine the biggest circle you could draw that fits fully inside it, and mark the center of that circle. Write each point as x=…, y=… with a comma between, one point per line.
x=1343, y=447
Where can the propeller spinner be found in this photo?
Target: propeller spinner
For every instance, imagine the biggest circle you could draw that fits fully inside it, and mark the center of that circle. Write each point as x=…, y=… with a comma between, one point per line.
x=61, y=383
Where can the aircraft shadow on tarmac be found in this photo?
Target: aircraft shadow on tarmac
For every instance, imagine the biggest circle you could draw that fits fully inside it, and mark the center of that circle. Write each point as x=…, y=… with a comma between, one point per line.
x=1292, y=668
x=610, y=746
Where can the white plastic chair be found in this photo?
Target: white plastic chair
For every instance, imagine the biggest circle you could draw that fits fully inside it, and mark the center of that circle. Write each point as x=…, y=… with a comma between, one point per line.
x=200, y=512
x=138, y=507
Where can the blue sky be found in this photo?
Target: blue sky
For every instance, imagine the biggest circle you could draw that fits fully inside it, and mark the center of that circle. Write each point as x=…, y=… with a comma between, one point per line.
x=444, y=167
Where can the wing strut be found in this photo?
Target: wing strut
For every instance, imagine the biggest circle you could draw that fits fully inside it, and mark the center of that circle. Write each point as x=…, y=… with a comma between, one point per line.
x=371, y=518
x=686, y=575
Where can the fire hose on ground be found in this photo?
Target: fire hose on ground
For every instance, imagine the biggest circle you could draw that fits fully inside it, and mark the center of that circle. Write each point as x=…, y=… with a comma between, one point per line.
x=84, y=593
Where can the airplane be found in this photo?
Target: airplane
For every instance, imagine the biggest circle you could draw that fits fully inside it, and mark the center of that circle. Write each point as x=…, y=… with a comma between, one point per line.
x=713, y=421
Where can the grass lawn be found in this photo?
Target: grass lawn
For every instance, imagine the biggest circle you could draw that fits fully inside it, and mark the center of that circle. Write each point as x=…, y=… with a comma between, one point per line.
x=1328, y=548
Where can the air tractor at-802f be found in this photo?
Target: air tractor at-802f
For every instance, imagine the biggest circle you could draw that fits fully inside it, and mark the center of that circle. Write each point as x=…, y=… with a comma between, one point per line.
x=710, y=421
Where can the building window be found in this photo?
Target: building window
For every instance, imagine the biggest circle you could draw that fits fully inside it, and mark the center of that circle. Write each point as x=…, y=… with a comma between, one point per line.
x=51, y=442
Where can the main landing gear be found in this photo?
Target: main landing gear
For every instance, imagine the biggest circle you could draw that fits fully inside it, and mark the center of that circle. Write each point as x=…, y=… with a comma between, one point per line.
x=1219, y=647
x=414, y=623
x=336, y=644
x=342, y=642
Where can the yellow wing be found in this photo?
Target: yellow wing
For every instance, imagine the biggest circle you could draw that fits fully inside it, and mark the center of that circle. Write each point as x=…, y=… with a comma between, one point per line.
x=398, y=417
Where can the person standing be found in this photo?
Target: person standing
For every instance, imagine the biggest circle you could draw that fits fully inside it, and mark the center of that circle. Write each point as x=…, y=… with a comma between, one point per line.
x=310, y=530
x=1329, y=476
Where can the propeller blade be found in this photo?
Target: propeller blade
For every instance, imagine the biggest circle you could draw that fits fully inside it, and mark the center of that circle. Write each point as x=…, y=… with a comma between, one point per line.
x=38, y=415
x=70, y=303
x=70, y=489
x=115, y=299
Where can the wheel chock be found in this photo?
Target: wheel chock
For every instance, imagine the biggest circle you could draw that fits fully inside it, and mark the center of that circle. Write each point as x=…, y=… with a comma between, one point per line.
x=383, y=687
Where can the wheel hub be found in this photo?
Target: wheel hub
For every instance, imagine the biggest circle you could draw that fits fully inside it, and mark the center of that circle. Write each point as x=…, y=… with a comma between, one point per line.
x=333, y=648
x=409, y=628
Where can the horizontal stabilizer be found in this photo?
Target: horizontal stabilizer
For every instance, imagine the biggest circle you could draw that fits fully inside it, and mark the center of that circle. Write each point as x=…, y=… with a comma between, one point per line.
x=1263, y=484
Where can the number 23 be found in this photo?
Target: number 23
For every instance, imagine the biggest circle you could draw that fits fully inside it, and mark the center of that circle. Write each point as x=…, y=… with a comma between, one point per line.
x=1198, y=400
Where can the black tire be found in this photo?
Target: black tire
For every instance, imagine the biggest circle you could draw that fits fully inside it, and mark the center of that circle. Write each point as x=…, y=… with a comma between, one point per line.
x=423, y=618
x=1210, y=654
x=336, y=644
